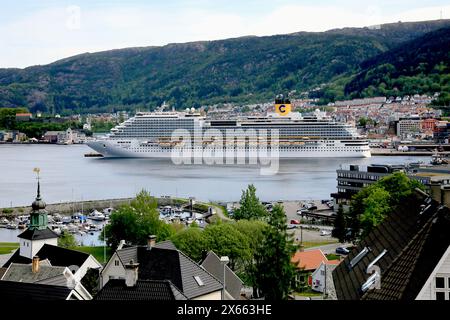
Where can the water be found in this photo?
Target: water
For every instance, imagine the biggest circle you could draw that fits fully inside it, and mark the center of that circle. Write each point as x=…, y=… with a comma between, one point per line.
x=67, y=175
x=8, y=235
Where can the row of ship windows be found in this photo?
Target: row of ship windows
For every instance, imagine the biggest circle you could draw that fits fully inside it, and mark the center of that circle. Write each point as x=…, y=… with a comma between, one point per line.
x=281, y=149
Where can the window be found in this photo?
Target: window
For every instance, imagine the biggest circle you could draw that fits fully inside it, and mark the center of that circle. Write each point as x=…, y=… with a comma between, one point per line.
x=116, y=263
x=199, y=281
x=440, y=282
x=440, y=295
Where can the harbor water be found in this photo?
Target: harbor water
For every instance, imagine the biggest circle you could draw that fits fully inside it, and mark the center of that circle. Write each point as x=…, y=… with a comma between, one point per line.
x=66, y=175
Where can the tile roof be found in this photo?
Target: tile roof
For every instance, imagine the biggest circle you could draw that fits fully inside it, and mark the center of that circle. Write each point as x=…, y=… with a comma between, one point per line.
x=404, y=279
x=23, y=273
x=309, y=260
x=170, y=264
x=37, y=234
x=414, y=243
x=116, y=289
x=233, y=284
x=2, y=272
x=19, y=291
x=57, y=256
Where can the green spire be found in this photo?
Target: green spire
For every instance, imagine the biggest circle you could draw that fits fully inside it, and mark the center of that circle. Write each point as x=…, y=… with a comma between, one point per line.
x=38, y=216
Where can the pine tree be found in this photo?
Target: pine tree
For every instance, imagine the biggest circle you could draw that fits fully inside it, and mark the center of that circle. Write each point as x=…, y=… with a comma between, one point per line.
x=339, y=230
x=274, y=273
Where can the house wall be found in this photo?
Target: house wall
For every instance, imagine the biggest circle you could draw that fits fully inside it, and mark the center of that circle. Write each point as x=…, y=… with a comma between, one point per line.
x=216, y=295
x=29, y=248
x=442, y=269
x=112, y=271
x=318, y=279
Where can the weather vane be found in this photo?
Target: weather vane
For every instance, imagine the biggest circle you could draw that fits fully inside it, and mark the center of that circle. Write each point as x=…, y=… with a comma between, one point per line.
x=37, y=170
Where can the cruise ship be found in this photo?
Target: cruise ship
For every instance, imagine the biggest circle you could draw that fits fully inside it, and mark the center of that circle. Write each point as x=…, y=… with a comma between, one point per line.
x=151, y=134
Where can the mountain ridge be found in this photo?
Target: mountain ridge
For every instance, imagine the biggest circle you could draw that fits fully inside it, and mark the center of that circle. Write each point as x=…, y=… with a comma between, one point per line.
x=243, y=69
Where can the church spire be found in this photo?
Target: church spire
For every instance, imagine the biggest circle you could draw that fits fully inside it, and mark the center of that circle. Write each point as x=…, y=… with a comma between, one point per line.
x=38, y=216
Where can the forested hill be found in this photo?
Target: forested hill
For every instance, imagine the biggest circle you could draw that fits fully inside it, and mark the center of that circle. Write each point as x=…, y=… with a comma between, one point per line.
x=420, y=66
x=246, y=69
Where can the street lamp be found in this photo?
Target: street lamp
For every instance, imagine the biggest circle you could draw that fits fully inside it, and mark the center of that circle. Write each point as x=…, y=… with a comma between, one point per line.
x=224, y=260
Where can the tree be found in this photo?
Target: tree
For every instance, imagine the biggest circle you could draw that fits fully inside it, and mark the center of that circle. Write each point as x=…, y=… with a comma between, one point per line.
x=339, y=230
x=273, y=272
x=190, y=241
x=250, y=206
x=377, y=207
x=370, y=206
x=66, y=240
x=225, y=240
x=134, y=222
x=90, y=281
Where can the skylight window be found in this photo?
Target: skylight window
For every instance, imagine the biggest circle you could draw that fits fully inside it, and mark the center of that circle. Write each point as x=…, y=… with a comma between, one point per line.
x=376, y=259
x=199, y=281
x=370, y=282
x=358, y=258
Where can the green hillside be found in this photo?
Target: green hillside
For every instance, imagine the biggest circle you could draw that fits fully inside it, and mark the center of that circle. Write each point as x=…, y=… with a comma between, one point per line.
x=247, y=69
x=418, y=66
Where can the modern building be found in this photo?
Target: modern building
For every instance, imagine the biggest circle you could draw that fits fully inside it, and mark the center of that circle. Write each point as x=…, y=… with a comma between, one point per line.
x=351, y=179
x=408, y=126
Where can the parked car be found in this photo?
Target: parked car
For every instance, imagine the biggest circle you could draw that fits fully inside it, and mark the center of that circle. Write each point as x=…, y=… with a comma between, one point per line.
x=325, y=233
x=293, y=221
x=292, y=226
x=342, y=250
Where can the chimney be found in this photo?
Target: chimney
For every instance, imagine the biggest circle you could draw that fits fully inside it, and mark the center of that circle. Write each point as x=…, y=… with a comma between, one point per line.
x=35, y=264
x=131, y=273
x=151, y=241
x=121, y=244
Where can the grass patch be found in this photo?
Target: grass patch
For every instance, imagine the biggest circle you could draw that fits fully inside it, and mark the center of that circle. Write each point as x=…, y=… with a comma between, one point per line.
x=312, y=244
x=6, y=250
x=332, y=256
x=308, y=294
x=9, y=244
x=96, y=252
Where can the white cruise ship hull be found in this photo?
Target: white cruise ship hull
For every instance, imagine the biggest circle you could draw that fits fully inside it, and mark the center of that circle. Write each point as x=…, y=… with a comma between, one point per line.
x=111, y=149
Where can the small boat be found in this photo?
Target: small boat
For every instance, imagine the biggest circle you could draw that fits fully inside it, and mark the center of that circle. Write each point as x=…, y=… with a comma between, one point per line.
x=66, y=220
x=4, y=221
x=107, y=212
x=97, y=216
x=11, y=226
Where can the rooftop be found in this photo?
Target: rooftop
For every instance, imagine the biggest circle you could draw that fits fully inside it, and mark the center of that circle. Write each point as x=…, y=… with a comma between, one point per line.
x=167, y=263
x=159, y=290
x=406, y=247
x=311, y=260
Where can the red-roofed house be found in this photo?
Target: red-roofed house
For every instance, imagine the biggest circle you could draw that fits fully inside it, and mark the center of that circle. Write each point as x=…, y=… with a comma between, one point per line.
x=309, y=263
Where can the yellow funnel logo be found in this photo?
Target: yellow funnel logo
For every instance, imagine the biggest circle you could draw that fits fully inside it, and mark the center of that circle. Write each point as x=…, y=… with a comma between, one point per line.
x=283, y=109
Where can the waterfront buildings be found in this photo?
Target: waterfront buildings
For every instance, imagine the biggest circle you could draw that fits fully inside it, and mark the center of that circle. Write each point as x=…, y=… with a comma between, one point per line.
x=352, y=178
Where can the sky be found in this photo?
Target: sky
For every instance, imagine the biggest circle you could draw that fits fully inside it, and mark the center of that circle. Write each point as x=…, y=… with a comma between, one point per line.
x=36, y=32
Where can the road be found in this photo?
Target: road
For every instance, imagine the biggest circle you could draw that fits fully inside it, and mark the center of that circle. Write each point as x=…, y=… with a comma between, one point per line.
x=329, y=248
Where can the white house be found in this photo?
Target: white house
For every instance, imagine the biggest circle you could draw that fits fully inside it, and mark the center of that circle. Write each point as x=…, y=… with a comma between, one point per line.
x=163, y=261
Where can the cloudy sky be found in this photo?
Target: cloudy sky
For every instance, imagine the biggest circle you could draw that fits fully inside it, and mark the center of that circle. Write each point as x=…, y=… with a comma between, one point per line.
x=41, y=31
